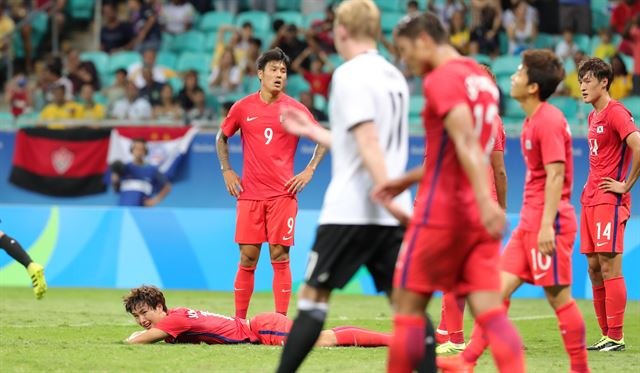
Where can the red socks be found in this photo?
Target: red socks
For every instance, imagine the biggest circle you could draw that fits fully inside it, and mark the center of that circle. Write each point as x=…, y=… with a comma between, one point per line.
x=478, y=342
x=503, y=339
x=242, y=289
x=281, y=285
x=407, y=343
x=599, y=307
x=572, y=330
x=615, y=303
x=352, y=336
x=454, y=315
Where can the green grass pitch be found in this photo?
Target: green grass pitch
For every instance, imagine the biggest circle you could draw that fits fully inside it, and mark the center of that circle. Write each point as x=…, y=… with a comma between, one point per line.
x=80, y=330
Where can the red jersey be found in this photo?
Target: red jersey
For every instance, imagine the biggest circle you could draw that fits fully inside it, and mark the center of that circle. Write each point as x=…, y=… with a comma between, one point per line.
x=622, y=14
x=608, y=153
x=498, y=146
x=185, y=325
x=319, y=83
x=546, y=139
x=445, y=198
x=268, y=149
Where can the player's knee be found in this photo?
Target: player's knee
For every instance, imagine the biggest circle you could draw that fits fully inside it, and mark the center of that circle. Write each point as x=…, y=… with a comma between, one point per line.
x=327, y=338
x=280, y=256
x=594, y=271
x=248, y=260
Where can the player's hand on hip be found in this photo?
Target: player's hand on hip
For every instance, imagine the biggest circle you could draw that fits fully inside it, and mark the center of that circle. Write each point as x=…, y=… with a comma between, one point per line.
x=546, y=240
x=386, y=191
x=150, y=202
x=493, y=218
x=296, y=122
x=298, y=182
x=613, y=186
x=397, y=212
x=232, y=182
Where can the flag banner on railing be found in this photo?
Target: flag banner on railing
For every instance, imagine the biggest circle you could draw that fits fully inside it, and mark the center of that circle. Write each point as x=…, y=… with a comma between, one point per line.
x=167, y=146
x=61, y=162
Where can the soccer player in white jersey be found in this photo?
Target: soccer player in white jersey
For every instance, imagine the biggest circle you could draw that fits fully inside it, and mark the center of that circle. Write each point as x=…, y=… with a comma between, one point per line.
x=368, y=111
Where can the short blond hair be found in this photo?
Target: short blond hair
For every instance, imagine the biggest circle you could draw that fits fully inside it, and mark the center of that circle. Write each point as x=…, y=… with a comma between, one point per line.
x=361, y=18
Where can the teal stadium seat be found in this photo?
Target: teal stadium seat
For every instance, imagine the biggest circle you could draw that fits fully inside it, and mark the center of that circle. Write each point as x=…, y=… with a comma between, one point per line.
x=296, y=84
x=503, y=39
x=40, y=26
x=390, y=5
x=389, y=20
x=545, y=40
x=167, y=42
x=289, y=17
x=568, y=106
x=583, y=42
x=81, y=9
x=504, y=83
x=512, y=110
x=599, y=19
x=123, y=60
x=167, y=59
x=194, y=61
x=210, y=40
x=28, y=119
x=319, y=102
x=416, y=104
x=335, y=59
x=505, y=65
x=260, y=20
x=250, y=84
x=288, y=5
x=633, y=104
x=6, y=120
x=482, y=58
x=628, y=62
x=211, y=21
x=190, y=41
x=100, y=60
x=312, y=17
x=99, y=98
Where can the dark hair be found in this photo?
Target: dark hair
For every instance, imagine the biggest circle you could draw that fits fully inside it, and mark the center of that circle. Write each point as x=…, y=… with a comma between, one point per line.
x=411, y=26
x=487, y=69
x=247, y=24
x=255, y=41
x=141, y=140
x=413, y=3
x=227, y=105
x=277, y=24
x=544, y=69
x=598, y=68
x=150, y=296
x=55, y=66
x=121, y=71
x=616, y=57
x=275, y=54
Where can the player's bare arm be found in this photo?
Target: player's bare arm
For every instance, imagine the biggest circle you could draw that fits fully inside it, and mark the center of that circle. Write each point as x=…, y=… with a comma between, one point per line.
x=231, y=178
x=299, y=181
x=147, y=336
x=297, y=122
x=472, y=158
x=552, y=195
x=620, y=187
x=500, y=177
x=391, y=188
x=160, y=196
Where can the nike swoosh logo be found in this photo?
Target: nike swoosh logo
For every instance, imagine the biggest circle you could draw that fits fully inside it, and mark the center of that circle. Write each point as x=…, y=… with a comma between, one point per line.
x=236, y=289
x=249, y=119
x=611, y=317
x=601, y=244
x=539, y=275
x=286, y=238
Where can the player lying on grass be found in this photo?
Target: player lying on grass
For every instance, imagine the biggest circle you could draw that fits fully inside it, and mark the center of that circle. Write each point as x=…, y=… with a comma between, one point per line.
x=184, y=325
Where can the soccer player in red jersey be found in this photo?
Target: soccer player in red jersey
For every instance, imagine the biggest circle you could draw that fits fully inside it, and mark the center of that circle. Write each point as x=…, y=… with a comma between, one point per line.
x=267, y=204
x=452, y=243
x=184, y=325
x=450, y=333
x=539, y=251
x=614, y=143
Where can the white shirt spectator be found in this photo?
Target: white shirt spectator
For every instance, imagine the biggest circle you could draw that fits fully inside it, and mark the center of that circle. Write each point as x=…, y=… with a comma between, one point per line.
x=235, y=76
x=176, y=17
x=138, y=109
x=508, y=18
x=565, y=51
x=68, y=89
x=160, y=74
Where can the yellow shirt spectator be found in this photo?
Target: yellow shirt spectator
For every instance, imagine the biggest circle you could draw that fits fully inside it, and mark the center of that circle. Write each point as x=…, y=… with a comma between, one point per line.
x=68, y=110
x=605, y=51
x=571, y=83
x=6, y=27
x=460, y=40
x=621, y=86
x=96, y=112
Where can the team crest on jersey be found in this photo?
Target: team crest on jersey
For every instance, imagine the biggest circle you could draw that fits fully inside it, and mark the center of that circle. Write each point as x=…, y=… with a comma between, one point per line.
x=600, y=129
x=527, y=144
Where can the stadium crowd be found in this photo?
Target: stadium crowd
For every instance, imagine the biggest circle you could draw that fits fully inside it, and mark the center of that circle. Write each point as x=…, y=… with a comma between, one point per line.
x=179, y=60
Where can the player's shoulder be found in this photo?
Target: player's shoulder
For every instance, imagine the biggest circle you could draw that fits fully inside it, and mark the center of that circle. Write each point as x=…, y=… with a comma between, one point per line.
x=617, y=108
x=245, y=101
x=552, y=113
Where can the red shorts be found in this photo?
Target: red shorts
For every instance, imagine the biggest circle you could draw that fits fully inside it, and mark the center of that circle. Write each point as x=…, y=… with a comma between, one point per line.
x=271, y=328
x=522, y=258
x=271, y=221
x=602, y=228
x=449, y=260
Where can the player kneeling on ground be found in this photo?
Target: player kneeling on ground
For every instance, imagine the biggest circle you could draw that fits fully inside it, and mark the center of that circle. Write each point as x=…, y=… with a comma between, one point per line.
x=184, y=325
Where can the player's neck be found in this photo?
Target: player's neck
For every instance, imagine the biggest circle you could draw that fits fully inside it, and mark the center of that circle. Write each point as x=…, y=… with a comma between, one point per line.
x=443, y=54
x=530, y=105
x=269, y=97
x=602, y=102
x=358, y=47
x=138, y=162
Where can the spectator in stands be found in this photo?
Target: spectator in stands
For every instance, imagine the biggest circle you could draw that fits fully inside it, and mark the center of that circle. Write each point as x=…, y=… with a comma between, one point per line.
x=605, y=49
x=632, y=33
x=81, y=72
x=224, y=110
x=622, y=84
x=90, y=109
x=523, y=32
x=459, y=34
x=227, y=76
x=251, y=60
x=306, y=99
x=623, y=13
x=189, y=88
x=138, y=181
x=53, y=77
x=177, y=16
x=412, y=8
x=268, y=6
x=146, y=26
x=167, y=108
x=131, y=106
x=230, y=6
x=287, y=40
x=320, y=34
x=566, y=48
x=445, y=10
x=18, y=11
x=239, y=42
x=570, y=86
x=115, y=36
x=575, y=15
x=61, y=108
x=199, y=114
x=160, y=73
x=319, y=80
x=6, y=28
x=117, y=89
x=485, y=27
x=152, y=89
x=508, y=12
x=17, y=95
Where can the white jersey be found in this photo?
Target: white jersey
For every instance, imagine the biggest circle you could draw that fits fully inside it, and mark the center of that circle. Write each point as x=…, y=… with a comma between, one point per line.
x=365, y=88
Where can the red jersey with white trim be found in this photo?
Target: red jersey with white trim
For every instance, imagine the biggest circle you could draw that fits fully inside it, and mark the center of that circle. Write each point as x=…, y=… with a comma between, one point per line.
x=268, y=148
x=608, y=153
x=498, y=146
x=185, y=325
x=446, y=198
x=546, y=138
